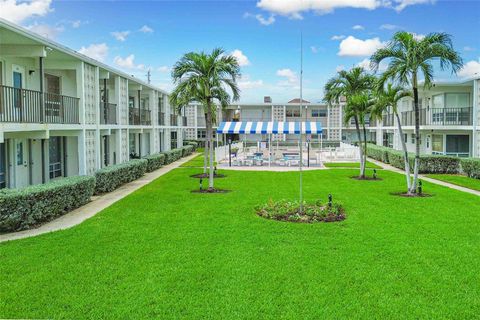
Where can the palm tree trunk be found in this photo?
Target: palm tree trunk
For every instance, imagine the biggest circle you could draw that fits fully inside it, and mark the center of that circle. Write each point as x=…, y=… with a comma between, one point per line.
x=210, y=143
x=417, y=135
x=360, y=147
x=205, y=152
x=405, y=152
x=364, y=148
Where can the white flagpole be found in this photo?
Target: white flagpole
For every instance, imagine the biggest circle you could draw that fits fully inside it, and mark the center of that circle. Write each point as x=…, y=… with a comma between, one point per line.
x=301, y=118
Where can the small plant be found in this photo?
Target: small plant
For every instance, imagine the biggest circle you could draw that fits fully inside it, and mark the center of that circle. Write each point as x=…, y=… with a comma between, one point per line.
x=284, y=210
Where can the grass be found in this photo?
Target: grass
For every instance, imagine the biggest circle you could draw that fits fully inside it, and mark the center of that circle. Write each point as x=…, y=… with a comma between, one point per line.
x=196, y=162
x=163, y=252
x=457, y=179
x=350, y=165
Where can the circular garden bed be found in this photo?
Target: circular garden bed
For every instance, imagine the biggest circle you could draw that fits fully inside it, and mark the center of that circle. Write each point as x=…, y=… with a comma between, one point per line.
x=206, y=175
x=211, y=191
x=312, y=212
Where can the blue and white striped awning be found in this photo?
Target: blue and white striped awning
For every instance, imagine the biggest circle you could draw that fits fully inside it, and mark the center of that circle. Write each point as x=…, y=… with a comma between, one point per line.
x=270, y=127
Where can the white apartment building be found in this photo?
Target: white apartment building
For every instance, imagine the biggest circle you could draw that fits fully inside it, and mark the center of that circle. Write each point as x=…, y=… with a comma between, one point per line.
x=64, y=114
x=449, y=120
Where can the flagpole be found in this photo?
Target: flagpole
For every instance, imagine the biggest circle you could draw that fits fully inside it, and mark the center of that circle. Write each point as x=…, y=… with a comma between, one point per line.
x=301, y=118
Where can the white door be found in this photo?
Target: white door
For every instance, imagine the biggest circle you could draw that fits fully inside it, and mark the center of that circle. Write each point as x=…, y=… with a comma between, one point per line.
x=21, y=163
x=18, y=80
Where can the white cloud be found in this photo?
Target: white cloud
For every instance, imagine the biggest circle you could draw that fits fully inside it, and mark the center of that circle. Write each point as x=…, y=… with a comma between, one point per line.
x=399, y=5
x=241, y=58
x=246, y=83
x=164, y=69
x=18, y=11
x=470, y=69
x=145, y=29
x=45, y=30
x=314, y=49
x=354, y=47
x=120, y=35
x=290, y=77
x=467, y=48
x=388, y=26
x=97, y=51
x=340, y=68
x=418, y=36
x=266, y=21
x=365, y=64
x=294, y=8
x=358, y=27
x=337, y=37
x=128, y=63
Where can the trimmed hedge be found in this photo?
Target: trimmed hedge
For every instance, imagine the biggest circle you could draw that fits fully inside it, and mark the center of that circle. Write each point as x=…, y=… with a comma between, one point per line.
x=428, y=163
x=24, y=208
x=187, y=150
x=172, y=155
x=191, y=143
x=155, y=161
x=471, y=167
x=110, y=178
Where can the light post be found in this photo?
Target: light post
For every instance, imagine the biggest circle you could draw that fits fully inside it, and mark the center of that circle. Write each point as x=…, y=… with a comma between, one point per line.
x=229, y=151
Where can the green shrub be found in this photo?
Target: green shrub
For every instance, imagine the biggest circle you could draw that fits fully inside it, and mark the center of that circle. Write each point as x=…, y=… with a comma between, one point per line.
x=187, y=150
x=428, y=163
x=22, y=209
x=471, y=167
x=155, y=161
x=172, y=155
x=194, y=144
x=110, y=178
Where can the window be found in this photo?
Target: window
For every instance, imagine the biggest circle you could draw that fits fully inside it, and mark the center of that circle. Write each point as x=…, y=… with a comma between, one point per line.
x=160, y=104
x=458, y=145
x=405, y=138
x=437, y=143
x=413, y=138
x=388, y=139
x=131, y=102
x=173, y=140
x=160, y=141
x=19, y=153
x=292, y=113
x=457, y=100
x=132, y=144
x=55, y=153
x=3, y=179
x=438, y=101
x=319, y=113
x=201, y=134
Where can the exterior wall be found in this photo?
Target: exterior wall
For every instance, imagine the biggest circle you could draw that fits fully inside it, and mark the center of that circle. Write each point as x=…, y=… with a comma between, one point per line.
x=90, y=83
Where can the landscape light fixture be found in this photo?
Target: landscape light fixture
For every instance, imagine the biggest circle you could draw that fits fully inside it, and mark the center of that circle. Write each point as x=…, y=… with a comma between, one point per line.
x=375, y=174
x=330, y=200
x=420, y=189
x=201, y=184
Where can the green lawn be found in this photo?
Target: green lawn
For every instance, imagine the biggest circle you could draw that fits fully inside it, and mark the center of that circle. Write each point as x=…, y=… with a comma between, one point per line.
x=166, y=253
x=350, y=165
x=457, y=179
x=196, y=162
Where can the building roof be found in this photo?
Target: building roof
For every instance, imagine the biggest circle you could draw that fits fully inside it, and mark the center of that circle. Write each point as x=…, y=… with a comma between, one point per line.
x=297, y=100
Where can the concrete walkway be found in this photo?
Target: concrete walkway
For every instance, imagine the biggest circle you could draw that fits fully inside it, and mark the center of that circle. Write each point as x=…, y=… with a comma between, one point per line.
x=425, y=178
x=97, y=204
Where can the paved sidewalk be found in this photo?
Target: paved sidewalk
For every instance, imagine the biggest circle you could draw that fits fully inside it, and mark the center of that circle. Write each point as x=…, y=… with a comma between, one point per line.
x=97, y=204
x=424, y=178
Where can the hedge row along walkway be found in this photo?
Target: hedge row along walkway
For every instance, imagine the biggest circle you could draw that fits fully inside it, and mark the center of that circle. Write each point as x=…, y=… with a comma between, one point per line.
x=97, y=204
x=425, y=178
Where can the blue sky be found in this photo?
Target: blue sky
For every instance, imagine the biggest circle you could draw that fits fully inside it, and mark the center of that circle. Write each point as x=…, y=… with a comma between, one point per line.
x=264, y=34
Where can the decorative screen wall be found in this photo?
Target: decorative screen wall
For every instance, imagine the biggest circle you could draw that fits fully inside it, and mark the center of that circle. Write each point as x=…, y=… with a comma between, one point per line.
x=90, y=91
x=123, y=101
x=90, y=149
x=278, y=114
x=124, y=146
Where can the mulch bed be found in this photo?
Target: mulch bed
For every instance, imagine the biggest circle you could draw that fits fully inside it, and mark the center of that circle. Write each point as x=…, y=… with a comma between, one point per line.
x=414, y=195
x=211, y=191
x=367, y=178
x=206, y=175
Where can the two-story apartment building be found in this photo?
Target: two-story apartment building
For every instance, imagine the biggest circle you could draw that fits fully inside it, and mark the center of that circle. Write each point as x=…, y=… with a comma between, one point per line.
x=329, y=117
x=63, y=113
x=449, y=120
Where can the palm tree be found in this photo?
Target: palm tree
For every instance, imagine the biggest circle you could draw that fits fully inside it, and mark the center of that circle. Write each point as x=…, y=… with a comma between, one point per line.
x=387, y=100
x=410, y=57
x=348, y=84
x=206, y=79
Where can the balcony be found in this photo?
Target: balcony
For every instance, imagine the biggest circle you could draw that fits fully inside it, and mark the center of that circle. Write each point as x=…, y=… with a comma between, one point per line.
x=108, y=113
x=139, y=117
x=173, y=120
x=161, y=118
x=184, y=121
x=440, y=117
x=25, y=106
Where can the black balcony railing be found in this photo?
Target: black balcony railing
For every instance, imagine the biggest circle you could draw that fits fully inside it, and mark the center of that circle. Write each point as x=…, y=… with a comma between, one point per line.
x=25, y=106
x=108, y=113
x=173, y=120
x=439, y=116
x=161, y=118
x=139, y=116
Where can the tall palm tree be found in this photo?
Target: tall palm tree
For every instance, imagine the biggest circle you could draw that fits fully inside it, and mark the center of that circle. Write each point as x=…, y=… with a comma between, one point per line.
x=348, y=84
x=208, y=79
x=387, y=99
x=410, y=57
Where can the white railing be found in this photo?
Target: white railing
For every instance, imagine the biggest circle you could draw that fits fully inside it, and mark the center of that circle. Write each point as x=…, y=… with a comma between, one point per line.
x=221, y=153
